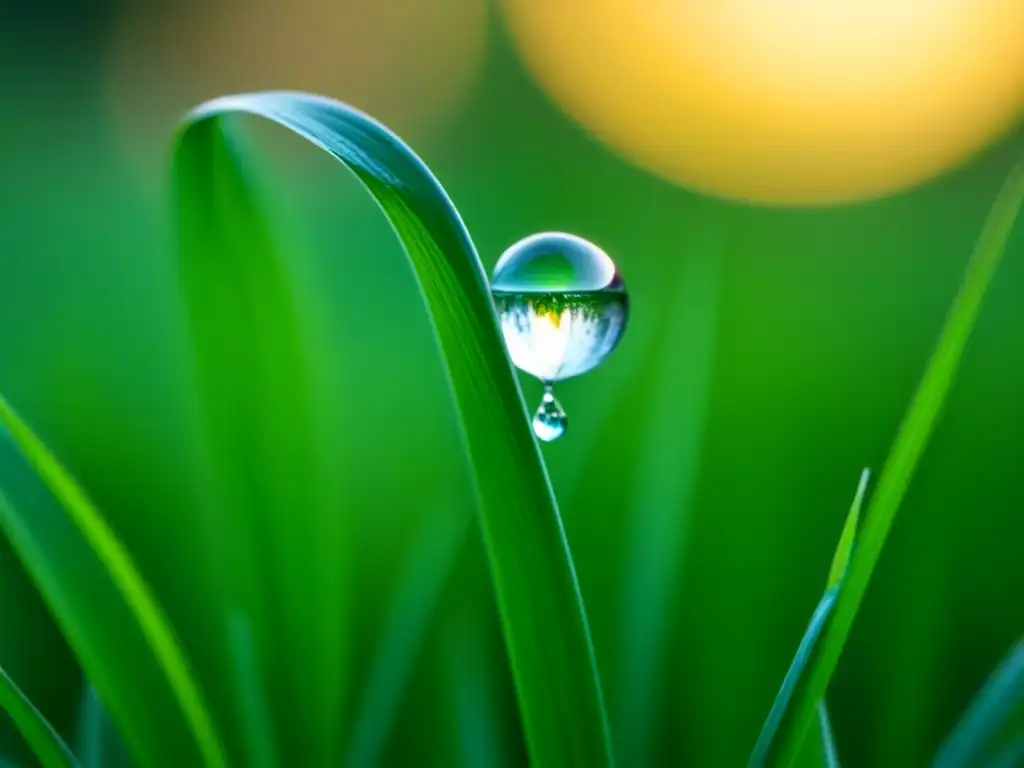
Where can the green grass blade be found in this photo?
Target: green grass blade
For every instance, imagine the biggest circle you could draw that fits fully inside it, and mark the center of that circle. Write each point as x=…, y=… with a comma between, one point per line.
x=255, y=716
x=770, y=730
x=60, y=577
x=827, y=738
x=277, y=525
x=418, y=593
x=907, y=449
x=841, y=559
x=545, y=625
x=97, y=742
x=661, y=505
x=769, y=736
x=1000, y=700
x=40, y=736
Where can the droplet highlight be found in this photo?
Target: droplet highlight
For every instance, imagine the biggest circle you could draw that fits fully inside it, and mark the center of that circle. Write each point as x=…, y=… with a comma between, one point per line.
x=563, y=308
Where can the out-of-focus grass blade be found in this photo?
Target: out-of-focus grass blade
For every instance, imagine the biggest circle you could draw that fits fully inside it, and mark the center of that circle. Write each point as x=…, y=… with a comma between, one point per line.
x=97, y=743
x=1000, y=700
x=255, y=718
x=1012, y=756
x=907, y=449
x=272, y=515
x=107, y=612
x=419, y=590
x=41, y=737
x=545, y=626
x=661, y=505
x=770, y=731
x=827, y=738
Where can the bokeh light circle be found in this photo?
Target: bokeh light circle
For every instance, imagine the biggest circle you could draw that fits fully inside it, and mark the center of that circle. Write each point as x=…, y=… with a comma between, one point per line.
x=782, y=101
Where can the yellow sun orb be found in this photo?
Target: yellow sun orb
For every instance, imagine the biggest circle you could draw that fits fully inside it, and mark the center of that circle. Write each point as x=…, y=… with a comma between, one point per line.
x=782, y=101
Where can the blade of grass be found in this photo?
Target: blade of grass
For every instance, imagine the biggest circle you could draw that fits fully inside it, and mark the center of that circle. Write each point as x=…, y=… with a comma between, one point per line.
x=40, y=736
x=841, y=559
x=58, y=557
x=97, y=743
x=770, y=731
x=412, y=607
x=827, y=738
x=998, y=701
x=668, y=471
x=910, y=443
x=272, y=513
x=545, y=626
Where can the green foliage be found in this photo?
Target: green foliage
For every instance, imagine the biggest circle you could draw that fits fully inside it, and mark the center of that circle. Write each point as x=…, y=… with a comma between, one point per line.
x=988, y=734
x=269, y=688
x=916, y=429
x=232, y=281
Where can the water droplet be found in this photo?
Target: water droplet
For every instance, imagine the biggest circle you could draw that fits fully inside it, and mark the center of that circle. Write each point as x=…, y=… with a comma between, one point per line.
x=550, y=421
x=563, y=308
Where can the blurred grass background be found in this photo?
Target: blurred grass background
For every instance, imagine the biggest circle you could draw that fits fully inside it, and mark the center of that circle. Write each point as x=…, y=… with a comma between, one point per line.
x=770, y=355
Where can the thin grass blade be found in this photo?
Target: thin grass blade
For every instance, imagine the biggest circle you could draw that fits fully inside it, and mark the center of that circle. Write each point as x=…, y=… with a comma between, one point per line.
x=41, y=737
x=844, y=549
x=419, y=591
x=910, y=443
x=97, y=743
x=770, y=731
x=545, y=626
x=107, y=612
x=999, y=701
x=668, y=468
x=828, y=740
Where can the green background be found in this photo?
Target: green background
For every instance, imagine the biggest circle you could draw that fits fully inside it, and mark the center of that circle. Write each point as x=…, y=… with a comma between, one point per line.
x=703, y=484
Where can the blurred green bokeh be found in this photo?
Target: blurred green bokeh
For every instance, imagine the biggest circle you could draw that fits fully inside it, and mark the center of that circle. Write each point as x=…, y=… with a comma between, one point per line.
x=769, y=357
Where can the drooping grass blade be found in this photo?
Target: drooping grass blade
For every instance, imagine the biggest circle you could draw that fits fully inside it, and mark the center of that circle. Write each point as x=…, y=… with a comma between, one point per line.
x=770, y=733
x=41, y=737
x=1000, y=700
x=910, y=443
x=545, y=626
x=107, y=612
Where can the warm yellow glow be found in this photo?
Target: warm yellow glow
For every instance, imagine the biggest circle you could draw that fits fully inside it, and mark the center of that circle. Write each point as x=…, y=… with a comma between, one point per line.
x=407, y=62
x=792, y=101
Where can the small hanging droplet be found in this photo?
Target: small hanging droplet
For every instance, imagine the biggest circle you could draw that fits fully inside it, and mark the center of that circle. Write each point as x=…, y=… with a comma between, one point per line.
x=563, y=308
x=550, y=421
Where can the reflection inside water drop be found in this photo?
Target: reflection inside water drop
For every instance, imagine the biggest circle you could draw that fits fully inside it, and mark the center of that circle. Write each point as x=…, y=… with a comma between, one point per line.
x=550, y=421
x=563, y=307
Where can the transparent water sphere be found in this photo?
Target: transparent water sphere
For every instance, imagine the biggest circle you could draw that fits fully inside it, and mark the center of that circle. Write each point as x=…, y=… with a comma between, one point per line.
x=563, y=308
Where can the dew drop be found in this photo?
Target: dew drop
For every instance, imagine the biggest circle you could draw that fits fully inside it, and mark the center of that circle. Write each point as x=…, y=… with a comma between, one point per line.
x=550, y=421
x=563, y=308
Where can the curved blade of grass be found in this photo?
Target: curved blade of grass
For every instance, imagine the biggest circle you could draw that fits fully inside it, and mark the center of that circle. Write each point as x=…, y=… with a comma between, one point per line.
x=542, y=612
x=770, y=731
x=419, y=590
x=40, y=736
x=1001, y=698
x=90, y=582
x=910, y=443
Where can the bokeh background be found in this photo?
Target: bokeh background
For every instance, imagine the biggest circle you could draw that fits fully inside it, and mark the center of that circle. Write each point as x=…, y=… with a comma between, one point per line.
x=771, y=350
